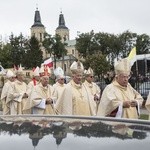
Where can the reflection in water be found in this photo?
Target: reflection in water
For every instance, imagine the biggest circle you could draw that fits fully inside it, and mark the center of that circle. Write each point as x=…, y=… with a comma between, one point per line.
x=35, y=137
x=36, y=130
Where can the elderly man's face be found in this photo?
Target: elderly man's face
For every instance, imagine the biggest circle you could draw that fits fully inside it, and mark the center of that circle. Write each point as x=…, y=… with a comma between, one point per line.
x=20, y=77
x=12, y=79
x=61, y=81
x=77, y=78
x=90, y=78
x=45, y=80
x=122, y=79
x=37, y=78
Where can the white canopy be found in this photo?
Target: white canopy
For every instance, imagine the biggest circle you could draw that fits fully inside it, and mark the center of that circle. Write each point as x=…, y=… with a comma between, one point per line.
x=143, y=57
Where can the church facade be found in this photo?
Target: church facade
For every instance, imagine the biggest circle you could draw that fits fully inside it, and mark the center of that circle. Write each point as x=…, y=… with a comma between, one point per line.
x=38, y=30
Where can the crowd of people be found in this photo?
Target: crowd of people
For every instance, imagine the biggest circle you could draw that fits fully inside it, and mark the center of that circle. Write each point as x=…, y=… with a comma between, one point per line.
x=81, y=96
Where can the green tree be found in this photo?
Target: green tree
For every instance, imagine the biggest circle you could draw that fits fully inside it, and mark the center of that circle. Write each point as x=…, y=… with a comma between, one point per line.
x=104, y=40
x=84, y=44
x=55, y=47
x=115, y=48
x=17, y=49
x=47, y=43
x=143, y=44
x=98, y=63
x=5, y=56
x=128, y=41
x=33, y=55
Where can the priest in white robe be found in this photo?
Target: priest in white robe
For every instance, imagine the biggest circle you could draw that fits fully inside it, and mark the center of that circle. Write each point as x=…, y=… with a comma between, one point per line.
x=120, y=99
x=92, y=87
x=17, y=96
x=59, y=86
x=75, y=99
x=10, y=79
x=41, y=96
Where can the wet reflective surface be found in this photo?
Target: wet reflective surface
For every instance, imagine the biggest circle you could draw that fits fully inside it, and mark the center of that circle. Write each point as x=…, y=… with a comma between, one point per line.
x=44, y=133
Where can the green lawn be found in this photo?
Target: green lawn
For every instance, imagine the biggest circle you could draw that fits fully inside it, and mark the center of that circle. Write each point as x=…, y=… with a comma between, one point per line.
x=144, y=116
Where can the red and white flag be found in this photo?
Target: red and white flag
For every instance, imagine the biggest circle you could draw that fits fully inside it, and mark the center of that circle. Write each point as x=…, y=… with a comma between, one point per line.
x=49, y=62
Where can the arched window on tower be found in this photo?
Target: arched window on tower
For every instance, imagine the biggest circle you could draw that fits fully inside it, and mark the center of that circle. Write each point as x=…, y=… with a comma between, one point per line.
x=40, y=37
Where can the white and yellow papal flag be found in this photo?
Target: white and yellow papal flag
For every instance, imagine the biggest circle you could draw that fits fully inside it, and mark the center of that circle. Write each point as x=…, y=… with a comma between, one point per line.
x=132, y=56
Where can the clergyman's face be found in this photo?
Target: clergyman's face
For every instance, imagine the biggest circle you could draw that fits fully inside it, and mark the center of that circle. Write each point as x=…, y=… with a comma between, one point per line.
x=61, y=81
x=122, y=79
x=77, y=78
x=20, y=77
x=37, y=78
x=45, y=80
x=12, y=79
x=90, y=78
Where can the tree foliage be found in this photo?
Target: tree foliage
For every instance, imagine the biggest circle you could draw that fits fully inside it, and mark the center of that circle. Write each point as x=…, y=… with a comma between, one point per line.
x=5, y=56
x=143, y=44
x=17, y=48
x=128, y=41
x=84, y=44
x=98, y=63
x=54, y=46
x=34, y=55
x=20, y=50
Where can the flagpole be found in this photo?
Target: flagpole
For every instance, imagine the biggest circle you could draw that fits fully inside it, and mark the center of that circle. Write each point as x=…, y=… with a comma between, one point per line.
x=137, y=72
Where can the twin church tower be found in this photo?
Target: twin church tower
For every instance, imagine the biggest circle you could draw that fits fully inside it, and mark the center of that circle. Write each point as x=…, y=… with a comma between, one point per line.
x=38, y=30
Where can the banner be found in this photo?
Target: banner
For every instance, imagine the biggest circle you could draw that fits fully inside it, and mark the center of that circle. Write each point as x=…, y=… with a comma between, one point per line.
x=49, y=62
x=132, y=56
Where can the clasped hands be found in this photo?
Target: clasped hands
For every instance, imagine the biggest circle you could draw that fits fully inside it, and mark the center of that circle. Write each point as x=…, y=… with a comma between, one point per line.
x=96, y=98
x=49, y=101
x=127, y=104
x=25, y=95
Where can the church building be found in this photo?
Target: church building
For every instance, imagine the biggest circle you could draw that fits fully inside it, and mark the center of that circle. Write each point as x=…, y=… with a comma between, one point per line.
x=38, y=30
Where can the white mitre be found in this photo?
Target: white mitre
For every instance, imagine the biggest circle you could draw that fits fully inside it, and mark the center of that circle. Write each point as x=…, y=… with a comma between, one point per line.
x=89, y=71
x=76, y=65
x=45, y=71
x=123, y=66
x=10, y=74
x=19, y=71
x=59, y=73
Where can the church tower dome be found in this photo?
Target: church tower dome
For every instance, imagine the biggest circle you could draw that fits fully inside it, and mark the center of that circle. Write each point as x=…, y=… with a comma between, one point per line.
x=38, y=29
x=62, y=30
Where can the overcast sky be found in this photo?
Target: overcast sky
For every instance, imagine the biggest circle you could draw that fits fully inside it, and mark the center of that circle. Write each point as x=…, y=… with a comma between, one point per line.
x=112, y=16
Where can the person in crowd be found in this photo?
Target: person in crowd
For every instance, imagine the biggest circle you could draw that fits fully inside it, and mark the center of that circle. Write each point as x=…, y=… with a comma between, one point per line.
x=109, y=77
x=59, y=86
x=147, y=103
x=2, y=74
x=120, y=99
x=41, y=96
x=17, y=96
x=75, y=99
x=92, y=87
x=10, y=79
x=35, y=80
